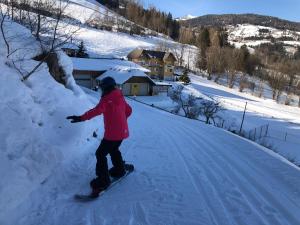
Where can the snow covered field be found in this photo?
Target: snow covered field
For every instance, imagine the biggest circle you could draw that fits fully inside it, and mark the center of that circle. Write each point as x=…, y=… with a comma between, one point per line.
x=101, y=43
x=283, y=121
x=186, y=173
x=246, y=34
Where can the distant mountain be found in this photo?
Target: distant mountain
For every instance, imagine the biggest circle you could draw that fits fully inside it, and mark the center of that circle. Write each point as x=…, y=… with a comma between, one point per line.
x=187, y=17
x=234, y=19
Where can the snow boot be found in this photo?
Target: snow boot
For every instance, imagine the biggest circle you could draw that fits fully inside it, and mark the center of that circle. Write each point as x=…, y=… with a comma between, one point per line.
x=115, y=172
x=98, y=185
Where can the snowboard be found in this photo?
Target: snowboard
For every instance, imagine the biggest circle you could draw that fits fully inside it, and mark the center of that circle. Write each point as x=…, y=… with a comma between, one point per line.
x=129, y=168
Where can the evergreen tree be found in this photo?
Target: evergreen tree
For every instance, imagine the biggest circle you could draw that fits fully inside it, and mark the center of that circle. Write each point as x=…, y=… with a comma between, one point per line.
x=203, y=43
x=297, y=53
x=185, y=77
x=81, y=51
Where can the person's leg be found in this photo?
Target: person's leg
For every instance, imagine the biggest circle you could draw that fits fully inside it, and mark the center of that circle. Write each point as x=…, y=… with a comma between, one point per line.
x=102, y=180
x=118, y=169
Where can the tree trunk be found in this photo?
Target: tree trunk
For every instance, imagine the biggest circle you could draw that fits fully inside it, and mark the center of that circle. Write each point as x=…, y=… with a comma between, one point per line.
x=207, y=120
x=278, y=96
x=38, y=28
x=287, y=100
x=273, y=94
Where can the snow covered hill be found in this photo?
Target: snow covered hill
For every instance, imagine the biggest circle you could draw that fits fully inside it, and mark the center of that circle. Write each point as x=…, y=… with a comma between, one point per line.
x=187, y=17
x=101, y=43
x=254, y=35
x=34, y=137
x=251, y=29
x=266, y=122
x=186, y=173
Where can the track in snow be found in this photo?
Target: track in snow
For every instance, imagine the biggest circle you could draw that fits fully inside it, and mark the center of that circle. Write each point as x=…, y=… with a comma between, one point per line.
x=186, y=173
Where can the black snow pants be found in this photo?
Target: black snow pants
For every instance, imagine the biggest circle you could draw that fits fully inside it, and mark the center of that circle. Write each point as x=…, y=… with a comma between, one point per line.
x=112, y=148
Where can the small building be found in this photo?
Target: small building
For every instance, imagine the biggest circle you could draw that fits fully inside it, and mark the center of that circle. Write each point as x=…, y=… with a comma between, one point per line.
x=70, y=49
x=132, y=82
x=86, y=70
x=161, y=64
x=161, y=87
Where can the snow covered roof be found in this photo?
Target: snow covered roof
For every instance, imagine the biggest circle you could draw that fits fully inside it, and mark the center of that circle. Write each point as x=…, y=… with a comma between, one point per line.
x=88, y=64
x=161, y=55
x=122, y=75
x=161, y=83
x=69, y=46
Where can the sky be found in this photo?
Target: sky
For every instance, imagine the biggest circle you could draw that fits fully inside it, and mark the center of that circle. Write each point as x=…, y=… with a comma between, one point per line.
x=285, y=9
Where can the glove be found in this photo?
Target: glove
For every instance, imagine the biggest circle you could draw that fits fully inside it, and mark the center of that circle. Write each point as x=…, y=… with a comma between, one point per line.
x=74, y=119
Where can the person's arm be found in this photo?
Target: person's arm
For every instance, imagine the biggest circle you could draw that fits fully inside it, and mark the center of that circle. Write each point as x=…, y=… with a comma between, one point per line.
x=98, y=110
x=128, y=109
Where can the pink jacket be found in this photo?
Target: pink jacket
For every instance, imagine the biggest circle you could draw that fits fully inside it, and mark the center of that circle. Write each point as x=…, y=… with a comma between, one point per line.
x=116, y=111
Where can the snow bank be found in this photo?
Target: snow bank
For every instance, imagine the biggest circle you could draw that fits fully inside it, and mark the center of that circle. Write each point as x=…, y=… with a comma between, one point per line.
x=66, y=63
x=35, y=137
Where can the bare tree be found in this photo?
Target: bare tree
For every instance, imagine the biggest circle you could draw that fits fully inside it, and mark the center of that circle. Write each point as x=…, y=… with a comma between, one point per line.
x=186, y=103
x=232, y=65
x=45, y=19
x=215, y=62
x=163, y=46
x=298, y=93
x=3, y=17
x=262, y=76
x=290, y=68
x=277, y=80
x=193, y=107
x=179, y=53
x=209, y=109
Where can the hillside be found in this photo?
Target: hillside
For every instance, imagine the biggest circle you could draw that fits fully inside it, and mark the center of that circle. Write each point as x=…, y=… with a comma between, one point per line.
x=190, y=174
x=113, y=43
x=235, y=19
x=186, y=172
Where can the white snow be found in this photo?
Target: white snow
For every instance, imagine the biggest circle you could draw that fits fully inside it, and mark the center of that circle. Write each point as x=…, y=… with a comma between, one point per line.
x=284, y=123
x=186, y=172
x=104, y=64
x=186, y=17
x=243, y=34
x=34, y=136
x=122, y=75
x=101, y=43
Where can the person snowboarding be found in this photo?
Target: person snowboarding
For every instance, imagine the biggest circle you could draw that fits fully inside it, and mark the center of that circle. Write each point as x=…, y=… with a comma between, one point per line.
x=116, y=112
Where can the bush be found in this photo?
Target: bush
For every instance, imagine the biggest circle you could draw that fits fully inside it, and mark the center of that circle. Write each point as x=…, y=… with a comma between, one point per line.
x=192, y=106
x=185, y=78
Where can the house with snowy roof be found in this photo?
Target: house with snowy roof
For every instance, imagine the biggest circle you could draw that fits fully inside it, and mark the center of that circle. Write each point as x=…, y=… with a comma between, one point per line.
x=70, y=49
x=160, y=63
x=130, y=77
x=132, y=82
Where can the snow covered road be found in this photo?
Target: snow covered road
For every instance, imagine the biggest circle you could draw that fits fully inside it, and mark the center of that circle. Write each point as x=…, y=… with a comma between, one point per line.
x=186, y=173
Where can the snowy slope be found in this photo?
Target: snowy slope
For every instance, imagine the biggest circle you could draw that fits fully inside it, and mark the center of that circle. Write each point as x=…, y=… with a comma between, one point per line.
x=34, y=137
x=186, y=173
x=283, y=121
x=254, y=35
x=101, y=43
x=186, y=17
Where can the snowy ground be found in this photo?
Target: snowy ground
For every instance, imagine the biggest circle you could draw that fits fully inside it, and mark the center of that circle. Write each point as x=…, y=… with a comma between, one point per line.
x=246, y=34
x=34, y=138
x=100, y=43
x=283, y=121
x=186, y=173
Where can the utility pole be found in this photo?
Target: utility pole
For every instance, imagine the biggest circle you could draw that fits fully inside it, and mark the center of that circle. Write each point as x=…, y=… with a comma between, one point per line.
x=243, y=118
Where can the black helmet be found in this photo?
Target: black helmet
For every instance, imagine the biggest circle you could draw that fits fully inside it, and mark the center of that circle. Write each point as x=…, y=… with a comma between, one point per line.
x=107, y=85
